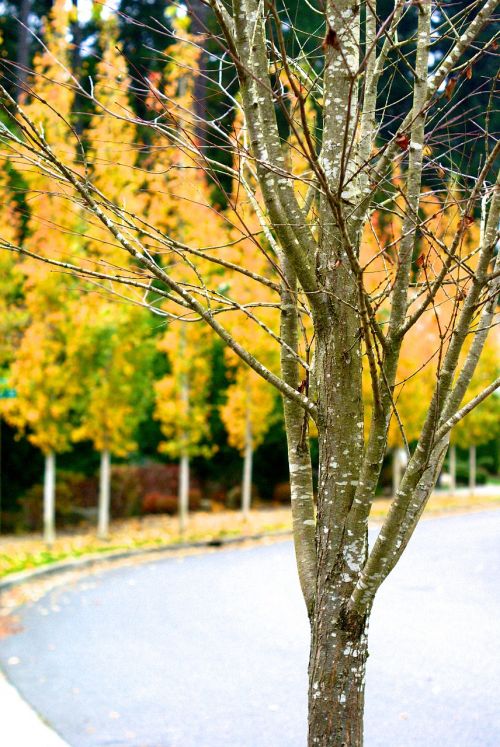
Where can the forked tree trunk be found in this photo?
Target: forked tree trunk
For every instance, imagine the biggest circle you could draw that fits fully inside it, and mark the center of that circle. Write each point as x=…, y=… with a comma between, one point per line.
x=49, y=499
x=104, y=495
x=472, y=469
x=338, y=640
x=183, y=492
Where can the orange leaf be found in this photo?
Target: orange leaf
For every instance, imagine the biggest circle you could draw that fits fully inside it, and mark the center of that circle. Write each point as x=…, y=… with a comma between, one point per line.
x=450, y=87
x=402, y=140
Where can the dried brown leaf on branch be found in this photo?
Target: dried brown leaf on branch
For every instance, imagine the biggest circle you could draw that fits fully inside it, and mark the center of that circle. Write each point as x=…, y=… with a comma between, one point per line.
x=331, y=40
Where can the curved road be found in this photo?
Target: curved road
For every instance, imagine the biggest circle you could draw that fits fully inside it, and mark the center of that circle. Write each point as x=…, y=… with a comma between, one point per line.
x=211, y=651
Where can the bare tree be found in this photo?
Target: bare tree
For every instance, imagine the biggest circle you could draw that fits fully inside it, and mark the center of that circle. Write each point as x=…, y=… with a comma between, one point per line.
x=364, y=151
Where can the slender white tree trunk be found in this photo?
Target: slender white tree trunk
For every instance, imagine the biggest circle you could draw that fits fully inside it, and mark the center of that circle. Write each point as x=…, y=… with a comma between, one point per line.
x=49, y=498
x=183, y=492
x=104, y=495
x=472, y=469
x=453, y=468
x=246, y=491
x=184, y=455
x=246, y=487
x=396, y=470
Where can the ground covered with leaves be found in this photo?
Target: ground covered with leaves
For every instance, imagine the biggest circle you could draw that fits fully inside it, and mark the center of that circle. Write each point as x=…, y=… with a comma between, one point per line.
x=29, y=551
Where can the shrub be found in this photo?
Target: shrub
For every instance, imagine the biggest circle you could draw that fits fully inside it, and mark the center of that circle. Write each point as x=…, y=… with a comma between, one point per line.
x=487, y=462
x=74, y=492
x=281, y=492
x=216, y=495
x=150, y=488
x=126, y=491
x=159, y=478
x=463, y=474
x=156, y=502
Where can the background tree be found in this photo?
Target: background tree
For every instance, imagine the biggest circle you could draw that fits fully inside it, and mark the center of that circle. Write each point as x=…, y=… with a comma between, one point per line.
x=113, y=146
x=248, y=411
x=45, y=392
x=483, y=423
x=12, y=313
x=184, y=211
x=112, y=365
x=247, y=416
x=182, y=404
x=114, y=370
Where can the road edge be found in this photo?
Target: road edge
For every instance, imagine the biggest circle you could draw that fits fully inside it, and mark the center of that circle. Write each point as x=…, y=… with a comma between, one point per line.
x=62, y=566
x=20, y=724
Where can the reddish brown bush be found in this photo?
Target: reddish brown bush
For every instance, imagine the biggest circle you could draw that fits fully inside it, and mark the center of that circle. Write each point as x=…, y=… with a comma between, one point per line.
x=281, y=492
x=125, y=491
x=155, y=502
x=150, y=488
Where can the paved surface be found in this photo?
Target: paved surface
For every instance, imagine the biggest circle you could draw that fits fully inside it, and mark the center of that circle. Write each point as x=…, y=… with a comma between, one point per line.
x=20, y=726
x=211, y=651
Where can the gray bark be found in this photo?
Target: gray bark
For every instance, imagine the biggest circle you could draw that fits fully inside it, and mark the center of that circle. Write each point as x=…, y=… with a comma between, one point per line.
x=338, y=639
x=337, y=668
x=297, y=435
x=104, y=495
x=49, y=499
x=396, y=470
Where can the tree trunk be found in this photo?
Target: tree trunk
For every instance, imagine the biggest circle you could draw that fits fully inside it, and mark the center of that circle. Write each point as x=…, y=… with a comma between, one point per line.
x=183, y=492
x=297, y=437
x=337, y=678
x=104, y=495
x=49, y=498
x=453, y=469
x=472, y=469
x=246, y=487
x=338, y=640
x=396, y=470
x=184, y=451
x=246, y=490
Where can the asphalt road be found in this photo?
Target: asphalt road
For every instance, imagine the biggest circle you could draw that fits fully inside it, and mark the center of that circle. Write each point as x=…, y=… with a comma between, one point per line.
x=211, y=651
